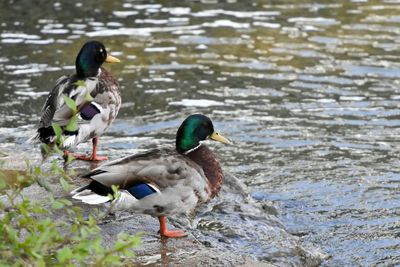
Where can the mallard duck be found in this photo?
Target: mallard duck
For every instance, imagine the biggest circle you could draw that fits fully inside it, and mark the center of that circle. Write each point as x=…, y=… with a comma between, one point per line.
x=97, y=98
x=161, y=182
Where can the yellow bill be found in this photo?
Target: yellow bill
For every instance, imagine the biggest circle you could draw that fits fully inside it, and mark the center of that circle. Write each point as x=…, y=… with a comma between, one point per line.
x=217, y=137
x=111, y=59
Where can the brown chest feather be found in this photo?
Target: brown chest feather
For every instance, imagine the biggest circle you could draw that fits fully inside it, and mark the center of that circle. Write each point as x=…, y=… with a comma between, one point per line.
x=107, y=81
x=211, y=167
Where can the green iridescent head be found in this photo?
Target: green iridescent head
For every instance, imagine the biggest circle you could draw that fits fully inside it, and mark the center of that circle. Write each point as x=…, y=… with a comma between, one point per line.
x=193, y=130
x=90, y=58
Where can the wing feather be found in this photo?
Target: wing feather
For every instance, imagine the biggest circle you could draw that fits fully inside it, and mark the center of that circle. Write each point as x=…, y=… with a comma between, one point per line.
x=53, y=101
x=56, y=110
x=164, y=168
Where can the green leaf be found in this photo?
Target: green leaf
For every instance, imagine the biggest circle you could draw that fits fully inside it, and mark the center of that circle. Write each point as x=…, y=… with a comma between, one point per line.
x=54, y=168
x=66, y=202
x=80, y=83
x=57, y=150
x=65, y=185
x=64, y=254
x=58, y=131
x=88, y=97
x=70, y=103
x=57, y=205
x=20, y=178
x=44, y=183
x=72, y=124
x=2, y=183
x=129, y=254
x=118, y=245
x=116, y=192
x=36, y=255
x=70, y=158
x=37, y=170
x=44, y=150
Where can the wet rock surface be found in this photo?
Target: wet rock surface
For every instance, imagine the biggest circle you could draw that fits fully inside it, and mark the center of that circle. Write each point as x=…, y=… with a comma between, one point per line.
x=232, y=230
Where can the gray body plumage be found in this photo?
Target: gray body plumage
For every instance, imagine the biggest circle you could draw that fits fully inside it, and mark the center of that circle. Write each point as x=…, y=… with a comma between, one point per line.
x=180, y=183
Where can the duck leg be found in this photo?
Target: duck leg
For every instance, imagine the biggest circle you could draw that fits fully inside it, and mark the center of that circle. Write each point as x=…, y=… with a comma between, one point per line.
x=93, y=157
x=169, y=233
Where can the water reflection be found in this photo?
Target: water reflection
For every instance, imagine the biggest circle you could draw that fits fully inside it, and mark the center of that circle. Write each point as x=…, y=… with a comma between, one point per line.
x=308, y=90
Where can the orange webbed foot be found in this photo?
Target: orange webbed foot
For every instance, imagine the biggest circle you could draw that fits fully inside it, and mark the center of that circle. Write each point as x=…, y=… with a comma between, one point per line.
x=89, y=158
x=164, y=232
x=84, y=157
x=93, y=157
x=173, y=233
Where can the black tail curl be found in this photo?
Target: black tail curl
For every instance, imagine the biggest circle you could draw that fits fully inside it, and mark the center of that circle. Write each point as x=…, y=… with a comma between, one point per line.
x=47, y=134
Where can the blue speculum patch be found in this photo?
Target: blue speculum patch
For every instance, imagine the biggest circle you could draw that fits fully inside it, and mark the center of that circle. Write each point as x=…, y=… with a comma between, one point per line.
x=89, y=111
x=141, y=190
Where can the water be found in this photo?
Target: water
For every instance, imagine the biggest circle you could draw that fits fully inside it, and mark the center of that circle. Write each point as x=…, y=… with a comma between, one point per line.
x=308, y=90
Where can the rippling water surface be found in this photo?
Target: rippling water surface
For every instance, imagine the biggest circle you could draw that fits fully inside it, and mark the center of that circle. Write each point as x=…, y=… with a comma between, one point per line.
x=308, y=90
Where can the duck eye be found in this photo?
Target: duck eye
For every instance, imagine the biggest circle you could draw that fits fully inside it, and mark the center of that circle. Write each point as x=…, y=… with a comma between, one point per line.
x=100, y=55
